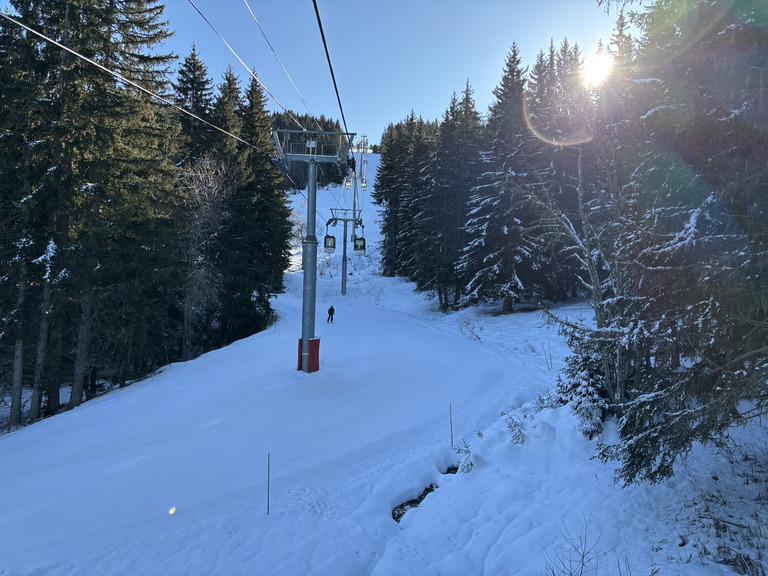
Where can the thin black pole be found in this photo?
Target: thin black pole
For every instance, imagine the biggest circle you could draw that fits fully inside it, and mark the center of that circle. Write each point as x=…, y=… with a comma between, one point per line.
x=269, y=457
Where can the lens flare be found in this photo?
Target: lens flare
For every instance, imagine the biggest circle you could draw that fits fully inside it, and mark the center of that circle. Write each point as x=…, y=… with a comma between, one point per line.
x=596, y=69
x=545, y=129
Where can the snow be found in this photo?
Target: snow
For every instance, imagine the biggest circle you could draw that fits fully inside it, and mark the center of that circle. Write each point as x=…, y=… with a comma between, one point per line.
x=170, y=475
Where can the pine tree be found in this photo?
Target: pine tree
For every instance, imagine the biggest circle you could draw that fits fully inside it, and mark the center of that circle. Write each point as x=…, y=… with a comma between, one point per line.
x=69, y=128
x=555, y=116
x=501, y=257
x=588, y=202
x=102, y=185
x=255, y=240
x=193, y=91
x=128, y=175
x=678, y=350
x=702, y=253
x=226, y=113
x=21, y=151
x=387, y=193
x=134, y=330
x=452, y=175
x=420, y=138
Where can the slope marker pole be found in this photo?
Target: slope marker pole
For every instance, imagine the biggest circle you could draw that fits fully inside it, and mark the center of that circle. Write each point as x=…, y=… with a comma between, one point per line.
x=269, y=458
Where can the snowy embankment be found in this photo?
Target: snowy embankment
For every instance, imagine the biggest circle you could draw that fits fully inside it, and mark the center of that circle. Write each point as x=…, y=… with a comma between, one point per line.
x=170, y=475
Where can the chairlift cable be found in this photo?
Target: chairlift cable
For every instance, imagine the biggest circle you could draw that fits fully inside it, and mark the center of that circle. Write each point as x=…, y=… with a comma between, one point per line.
x=333, y=77
x=335, y=84
x=139, y=87
x=281, y=64
x=246, y=66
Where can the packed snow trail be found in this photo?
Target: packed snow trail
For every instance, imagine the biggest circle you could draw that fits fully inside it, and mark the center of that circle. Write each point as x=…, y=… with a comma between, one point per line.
x=90, y=492
x=196, y=436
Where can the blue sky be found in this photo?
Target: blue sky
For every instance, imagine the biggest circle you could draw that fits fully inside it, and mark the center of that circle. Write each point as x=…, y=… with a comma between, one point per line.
x=389, y=57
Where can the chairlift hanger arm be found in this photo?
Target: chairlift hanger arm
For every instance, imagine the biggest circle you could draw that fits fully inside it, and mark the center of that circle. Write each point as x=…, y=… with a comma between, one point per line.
x=311, y=155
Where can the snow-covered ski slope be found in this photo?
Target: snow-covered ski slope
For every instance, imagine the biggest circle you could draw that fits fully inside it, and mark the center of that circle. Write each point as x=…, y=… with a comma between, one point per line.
x=170, y=475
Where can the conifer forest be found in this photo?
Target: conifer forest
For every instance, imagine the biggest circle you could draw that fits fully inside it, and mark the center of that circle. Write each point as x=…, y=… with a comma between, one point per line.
x=133, y=236
x=648, y=194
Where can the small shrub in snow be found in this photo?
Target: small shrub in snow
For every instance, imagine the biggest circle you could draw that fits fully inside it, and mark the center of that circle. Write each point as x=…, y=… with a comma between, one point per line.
x=470, y=328
x=516, y=429
x=577, y=557
x=466, y=464
x=582, y=391
x=530, y=347
x=549, y=400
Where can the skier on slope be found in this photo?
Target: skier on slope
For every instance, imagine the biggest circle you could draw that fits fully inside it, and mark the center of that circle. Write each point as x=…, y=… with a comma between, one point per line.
x=331, y=312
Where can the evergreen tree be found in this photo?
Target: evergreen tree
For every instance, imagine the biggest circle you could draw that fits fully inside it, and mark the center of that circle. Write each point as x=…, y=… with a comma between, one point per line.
x=453, y=174
x=194, y=92
x=23, y=130
x=387, y=193
x=702, y=250
x=420, y=139
x=227, y=114
x=501, y=257
x=255, y=241
x=96, y=186
x=675, y=237
x=80, y=113
x=555, y=115
x=135, y=331
x=610, y=355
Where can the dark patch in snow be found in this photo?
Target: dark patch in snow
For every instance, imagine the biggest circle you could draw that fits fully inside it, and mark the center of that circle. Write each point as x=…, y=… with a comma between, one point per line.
x=399, y=511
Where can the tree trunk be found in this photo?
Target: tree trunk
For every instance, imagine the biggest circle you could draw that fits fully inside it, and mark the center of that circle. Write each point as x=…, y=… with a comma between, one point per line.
x=52, y=392
x=596, y=284
x=18, y=354
x=42, y=349
x=187, y=326
x=16, y=397
x=83, y=347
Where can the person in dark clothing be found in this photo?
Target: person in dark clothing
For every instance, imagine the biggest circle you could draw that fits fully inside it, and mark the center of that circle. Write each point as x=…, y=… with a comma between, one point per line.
x=331, y=312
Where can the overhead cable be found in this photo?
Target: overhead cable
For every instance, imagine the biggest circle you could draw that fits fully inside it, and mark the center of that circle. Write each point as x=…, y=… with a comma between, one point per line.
x=333, y=76
x=281, y=63
x=134, y=84
x=245, y=65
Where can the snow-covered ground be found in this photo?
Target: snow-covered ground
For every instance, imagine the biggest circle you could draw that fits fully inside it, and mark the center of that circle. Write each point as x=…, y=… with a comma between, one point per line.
x=174, y=475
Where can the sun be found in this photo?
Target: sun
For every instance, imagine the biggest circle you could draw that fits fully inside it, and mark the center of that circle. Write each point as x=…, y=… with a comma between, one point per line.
x=596, y=69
